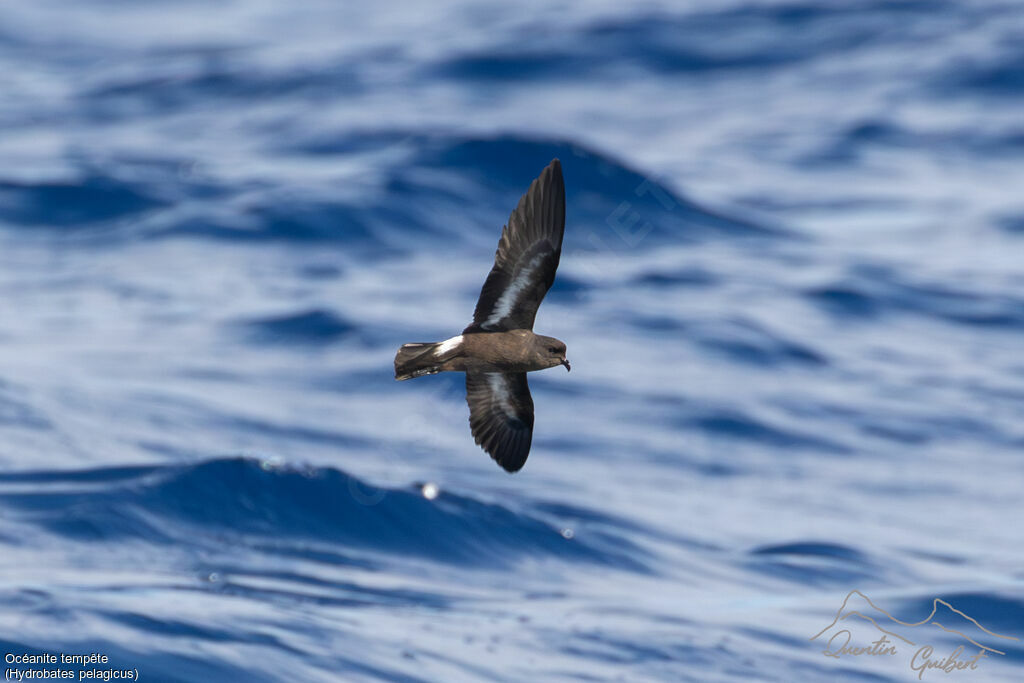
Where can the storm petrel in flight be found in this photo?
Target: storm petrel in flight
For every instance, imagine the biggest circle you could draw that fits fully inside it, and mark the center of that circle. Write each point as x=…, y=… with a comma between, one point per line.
x=499, y=346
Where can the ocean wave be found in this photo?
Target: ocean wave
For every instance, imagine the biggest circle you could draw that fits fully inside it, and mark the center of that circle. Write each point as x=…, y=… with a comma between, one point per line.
x=751, y=38
x=74, y=203
x=817, y=563
x=476, y=179
x=870, y=291
x=249, y=500
x=314, y=326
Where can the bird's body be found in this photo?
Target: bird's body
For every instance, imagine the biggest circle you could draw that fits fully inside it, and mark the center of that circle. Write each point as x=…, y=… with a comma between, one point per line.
x=512, y=351
x=499, y=347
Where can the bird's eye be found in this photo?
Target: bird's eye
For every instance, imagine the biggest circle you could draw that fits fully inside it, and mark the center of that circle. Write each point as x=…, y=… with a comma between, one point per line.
x=552, y=349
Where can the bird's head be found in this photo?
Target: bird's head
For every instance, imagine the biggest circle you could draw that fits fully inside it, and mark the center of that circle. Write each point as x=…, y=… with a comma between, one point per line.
x=552, y=351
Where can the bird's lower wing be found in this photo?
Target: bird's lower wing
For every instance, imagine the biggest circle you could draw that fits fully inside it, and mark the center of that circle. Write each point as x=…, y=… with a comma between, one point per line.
x=501, y=416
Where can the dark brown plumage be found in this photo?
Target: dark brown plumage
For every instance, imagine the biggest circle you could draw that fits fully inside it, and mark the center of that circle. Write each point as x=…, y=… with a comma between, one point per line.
x=499, y=347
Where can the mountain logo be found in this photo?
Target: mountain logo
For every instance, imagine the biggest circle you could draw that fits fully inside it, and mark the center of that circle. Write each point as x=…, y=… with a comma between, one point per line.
x=893, y=637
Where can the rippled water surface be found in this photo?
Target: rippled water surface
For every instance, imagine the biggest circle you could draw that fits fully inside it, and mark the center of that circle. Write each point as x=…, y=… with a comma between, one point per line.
x=792, y=289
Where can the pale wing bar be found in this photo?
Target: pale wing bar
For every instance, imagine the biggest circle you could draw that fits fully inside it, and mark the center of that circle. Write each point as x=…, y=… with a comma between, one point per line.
x=501, y=416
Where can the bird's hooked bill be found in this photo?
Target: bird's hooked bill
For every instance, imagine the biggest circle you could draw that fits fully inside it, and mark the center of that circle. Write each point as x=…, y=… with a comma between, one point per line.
x=565, y=362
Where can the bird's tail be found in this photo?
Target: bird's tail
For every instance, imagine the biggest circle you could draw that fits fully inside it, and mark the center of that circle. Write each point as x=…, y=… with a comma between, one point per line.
x=416, y=360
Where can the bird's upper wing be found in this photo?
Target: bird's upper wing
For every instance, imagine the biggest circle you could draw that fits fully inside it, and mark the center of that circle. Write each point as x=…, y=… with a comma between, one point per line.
x=527, y=257
x=501, y=415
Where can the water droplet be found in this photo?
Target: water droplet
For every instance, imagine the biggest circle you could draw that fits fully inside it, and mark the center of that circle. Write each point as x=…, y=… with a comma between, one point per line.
x=568, y=533
x=271, y=463
x=430, y=491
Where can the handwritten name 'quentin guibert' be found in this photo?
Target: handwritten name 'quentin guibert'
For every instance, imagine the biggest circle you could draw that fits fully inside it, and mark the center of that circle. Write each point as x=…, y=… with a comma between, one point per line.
x=839, y=645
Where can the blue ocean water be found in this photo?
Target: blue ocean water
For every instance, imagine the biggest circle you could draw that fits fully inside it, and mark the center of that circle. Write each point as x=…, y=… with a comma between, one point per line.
x=792, y=290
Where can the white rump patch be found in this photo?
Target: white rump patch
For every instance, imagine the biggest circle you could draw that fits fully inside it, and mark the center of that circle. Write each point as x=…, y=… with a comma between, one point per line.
x=508, y=299
x=448, y=345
